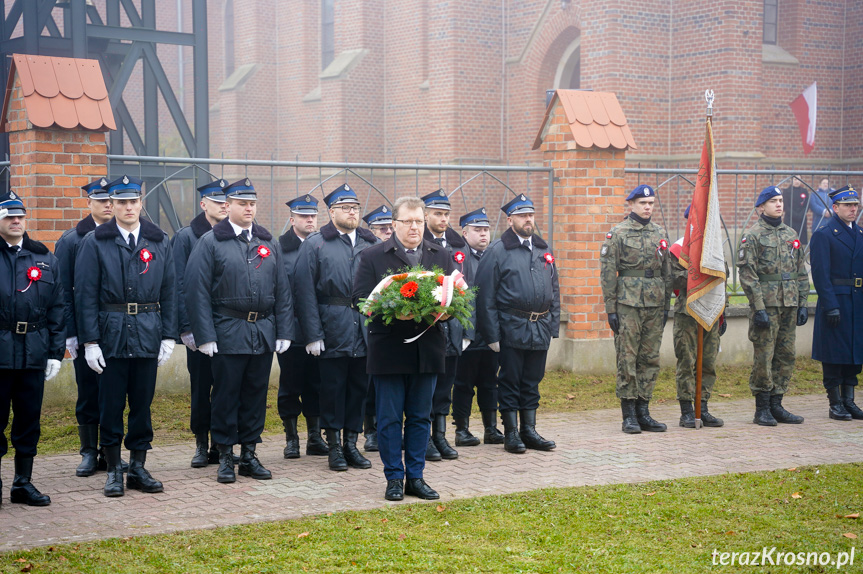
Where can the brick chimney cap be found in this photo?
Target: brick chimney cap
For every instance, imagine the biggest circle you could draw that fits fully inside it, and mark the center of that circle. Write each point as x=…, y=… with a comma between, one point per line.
x=595, y=119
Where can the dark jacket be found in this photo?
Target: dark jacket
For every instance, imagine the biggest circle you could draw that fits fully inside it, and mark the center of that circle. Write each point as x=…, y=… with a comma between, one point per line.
x=836, y=254
x=23, y=301
x=470, y=266
x=226, y=272
x=453, y=330
x=512, y=277
x=290, y=244
x=388, y=354
x=323, y=280
x=66, y=249
x=182, y=243
x=108, y=272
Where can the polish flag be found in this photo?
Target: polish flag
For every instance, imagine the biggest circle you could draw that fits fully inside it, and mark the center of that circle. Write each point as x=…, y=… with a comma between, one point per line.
x=805, y=108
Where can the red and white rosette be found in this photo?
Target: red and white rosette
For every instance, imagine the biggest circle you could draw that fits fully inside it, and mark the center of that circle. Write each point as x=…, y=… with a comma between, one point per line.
x=263, y=252
x=549, y=260
x=33, y=275
x=458, y=257
x=663, y=246
x=795, y=244
x=146, y=257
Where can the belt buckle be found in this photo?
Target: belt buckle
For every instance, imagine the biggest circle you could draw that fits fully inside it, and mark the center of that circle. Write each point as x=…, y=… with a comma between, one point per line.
x=858, y=281
x=534, y=316
x=786, y=276
x=648, y=273
x=253, y=317
x=131, y=308
x=21, y=327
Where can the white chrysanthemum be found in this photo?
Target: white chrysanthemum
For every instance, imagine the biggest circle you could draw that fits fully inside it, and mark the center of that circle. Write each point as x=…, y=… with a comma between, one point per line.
x=437, y=292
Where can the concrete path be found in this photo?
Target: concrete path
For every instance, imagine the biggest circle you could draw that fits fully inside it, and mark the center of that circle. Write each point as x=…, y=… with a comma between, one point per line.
x=590, y=450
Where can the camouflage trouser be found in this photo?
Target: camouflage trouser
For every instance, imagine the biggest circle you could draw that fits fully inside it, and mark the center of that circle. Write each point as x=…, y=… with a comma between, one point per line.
x=637, y=346
x=773, y=360
x=686, y=350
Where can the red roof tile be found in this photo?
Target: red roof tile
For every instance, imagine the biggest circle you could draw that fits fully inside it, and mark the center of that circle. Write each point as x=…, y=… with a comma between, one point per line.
x=63, y=92
x=595, y=119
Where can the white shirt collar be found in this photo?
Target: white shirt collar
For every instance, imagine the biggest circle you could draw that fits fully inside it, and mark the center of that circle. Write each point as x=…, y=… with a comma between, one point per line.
x=528, y=239
x=352, y=236
x=239, y=230
x=19, y=245
x=126, y=233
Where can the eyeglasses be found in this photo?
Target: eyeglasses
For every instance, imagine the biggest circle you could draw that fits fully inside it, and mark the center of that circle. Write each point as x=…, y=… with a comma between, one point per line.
x=350, y=208
x=411, y=222
x=384, y=227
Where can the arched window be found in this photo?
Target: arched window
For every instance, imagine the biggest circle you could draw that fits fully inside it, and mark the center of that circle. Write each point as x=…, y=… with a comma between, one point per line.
x=228, y=37
x=568, y=75
x=328, y=32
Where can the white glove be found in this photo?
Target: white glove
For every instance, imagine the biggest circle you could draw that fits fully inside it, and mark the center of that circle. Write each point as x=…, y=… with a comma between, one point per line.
x=72, y=347
x=209, y=349
x=95, y=358
x=465, y=343
x=189, y=340
x=282, y=345
x=315, y=349
x=165, y=351
x=52, y=369
x=495, y=346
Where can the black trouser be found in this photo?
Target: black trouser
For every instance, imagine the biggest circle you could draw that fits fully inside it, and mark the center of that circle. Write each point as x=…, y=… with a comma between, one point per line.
x=239, y=399
x=521, y=370
x=299, y=380
x=22, y=390
x=344, y=385
x=122, y=378
x=87, y=404
x=442, y=398
x=836, y=375
x=201, y=378
x=475, y=369
x=371, y=397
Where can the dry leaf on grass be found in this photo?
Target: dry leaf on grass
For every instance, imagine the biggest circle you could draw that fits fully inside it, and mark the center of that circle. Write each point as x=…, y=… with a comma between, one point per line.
x=570, y=397
x=855, y=515
x=440, y=508
x=724, y=395
x=796, y=495
x=850, y=535
x=302, y=534
x=402, y=536
x=649, y=493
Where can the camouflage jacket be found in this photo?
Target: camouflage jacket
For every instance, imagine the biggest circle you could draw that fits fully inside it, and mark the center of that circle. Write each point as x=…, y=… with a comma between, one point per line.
x=772, y=267
x=636, y=266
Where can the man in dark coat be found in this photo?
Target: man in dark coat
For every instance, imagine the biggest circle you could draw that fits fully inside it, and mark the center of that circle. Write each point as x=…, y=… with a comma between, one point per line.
x=404, y=374
x=518, y=310
x=87, y=405
x=796, y=200
x=126, y=306
x=299, y=376
x=213, y=210
x=239, y=303
x=836, y=255
x=333, y=325
x=31, y=340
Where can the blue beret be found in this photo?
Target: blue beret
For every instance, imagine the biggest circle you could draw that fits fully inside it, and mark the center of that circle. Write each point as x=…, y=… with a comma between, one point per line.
x=342, y=194
x=125, y=188
x=380, y=216
x=96, y=189
x=641, y=191
x=477, y=218
x=11, y=202
x=304, y=205
x=521, y=204
x=767, y=194
x=215, y=190
x=242, y=189
x=686, y=213
x=437, y=200
x=846, y=194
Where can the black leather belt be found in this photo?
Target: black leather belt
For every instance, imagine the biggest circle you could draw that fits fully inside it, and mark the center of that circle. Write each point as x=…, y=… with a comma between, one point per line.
x=648, y=273
x=248, y=316
x=131, y=308
x=23, y=327
x=855, y=282
x=532, y=316
x=341, y=301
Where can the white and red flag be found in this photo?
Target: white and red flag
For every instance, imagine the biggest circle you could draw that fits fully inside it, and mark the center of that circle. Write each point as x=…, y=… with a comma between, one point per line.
x=805, y=108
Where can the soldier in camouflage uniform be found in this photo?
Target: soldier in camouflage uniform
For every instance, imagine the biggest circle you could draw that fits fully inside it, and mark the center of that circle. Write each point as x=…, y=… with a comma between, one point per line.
x=636, y=284
x=773, y=276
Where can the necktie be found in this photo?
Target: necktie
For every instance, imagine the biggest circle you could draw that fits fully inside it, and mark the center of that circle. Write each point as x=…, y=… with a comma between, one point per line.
x=438, y=240
x=132, y=241
x=410, y=251
x=526, y=243
x=479, y=254
x=247, y=235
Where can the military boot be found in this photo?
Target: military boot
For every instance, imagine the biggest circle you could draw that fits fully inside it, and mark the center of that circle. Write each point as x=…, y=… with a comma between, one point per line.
x=213, y=454
x=202, y=456
x=336, y=455
x=850, y=406
x=102, y=464
x=463, y=436
x=439, y=439
x=491, y=435
x=528, y=434
x=370, y=430
x=354, y=457
x=838, y=412
x=645, y=421
x=780, y=414
x=114, y=481
x=315, y=445
x=89, y=436
x=763, y=416
x=687, y=415
x=511, y=437
x=432, y=453
x=292, y=439
x=226, y=474
x=630, y=421
x=708, y=419
x=250, y=465
x=23, y=491
x=138, y=477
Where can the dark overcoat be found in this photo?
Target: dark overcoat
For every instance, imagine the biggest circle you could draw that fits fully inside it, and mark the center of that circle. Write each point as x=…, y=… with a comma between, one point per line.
x=453, y=330
x=182, y=243
x=66, y=249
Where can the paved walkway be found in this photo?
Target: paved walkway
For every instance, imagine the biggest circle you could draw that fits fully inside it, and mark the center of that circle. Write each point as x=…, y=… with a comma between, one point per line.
x=590, y=450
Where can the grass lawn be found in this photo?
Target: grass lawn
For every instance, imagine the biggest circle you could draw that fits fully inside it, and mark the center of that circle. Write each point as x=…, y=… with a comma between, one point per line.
x=665, y=526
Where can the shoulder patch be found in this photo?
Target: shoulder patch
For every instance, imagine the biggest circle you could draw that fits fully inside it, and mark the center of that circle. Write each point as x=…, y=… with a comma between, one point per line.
x=604, y=250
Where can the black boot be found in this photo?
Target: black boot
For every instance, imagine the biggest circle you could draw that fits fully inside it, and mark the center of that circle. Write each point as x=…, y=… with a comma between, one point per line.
x=315, y=445
x=370, y=427
x=337, y=456
x=491, y=434
x=708, y=419
x=439, y=438
x=850, y=406
x=763, y=416
x=138, y=477
x=463, y=436
x=353, y=457
x=292, y=439
x=645, y=421
x=630, y=421
x=23, y=491
x=780, y=414
x=89, y=436
x=202, y=456
x=432, y=453
x=114, y=481
x=838, y=412
x=528, y=434
x=226, y=474
x=213, y=454
x=511, y=437
x=102, y=464
x=250, y=465
x=687, y=415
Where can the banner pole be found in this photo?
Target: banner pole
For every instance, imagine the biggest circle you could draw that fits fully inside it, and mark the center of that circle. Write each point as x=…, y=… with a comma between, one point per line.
x=698, y=362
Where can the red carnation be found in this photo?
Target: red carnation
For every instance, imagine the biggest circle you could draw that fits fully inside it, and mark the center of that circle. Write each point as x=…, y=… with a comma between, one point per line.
x=409, y=289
